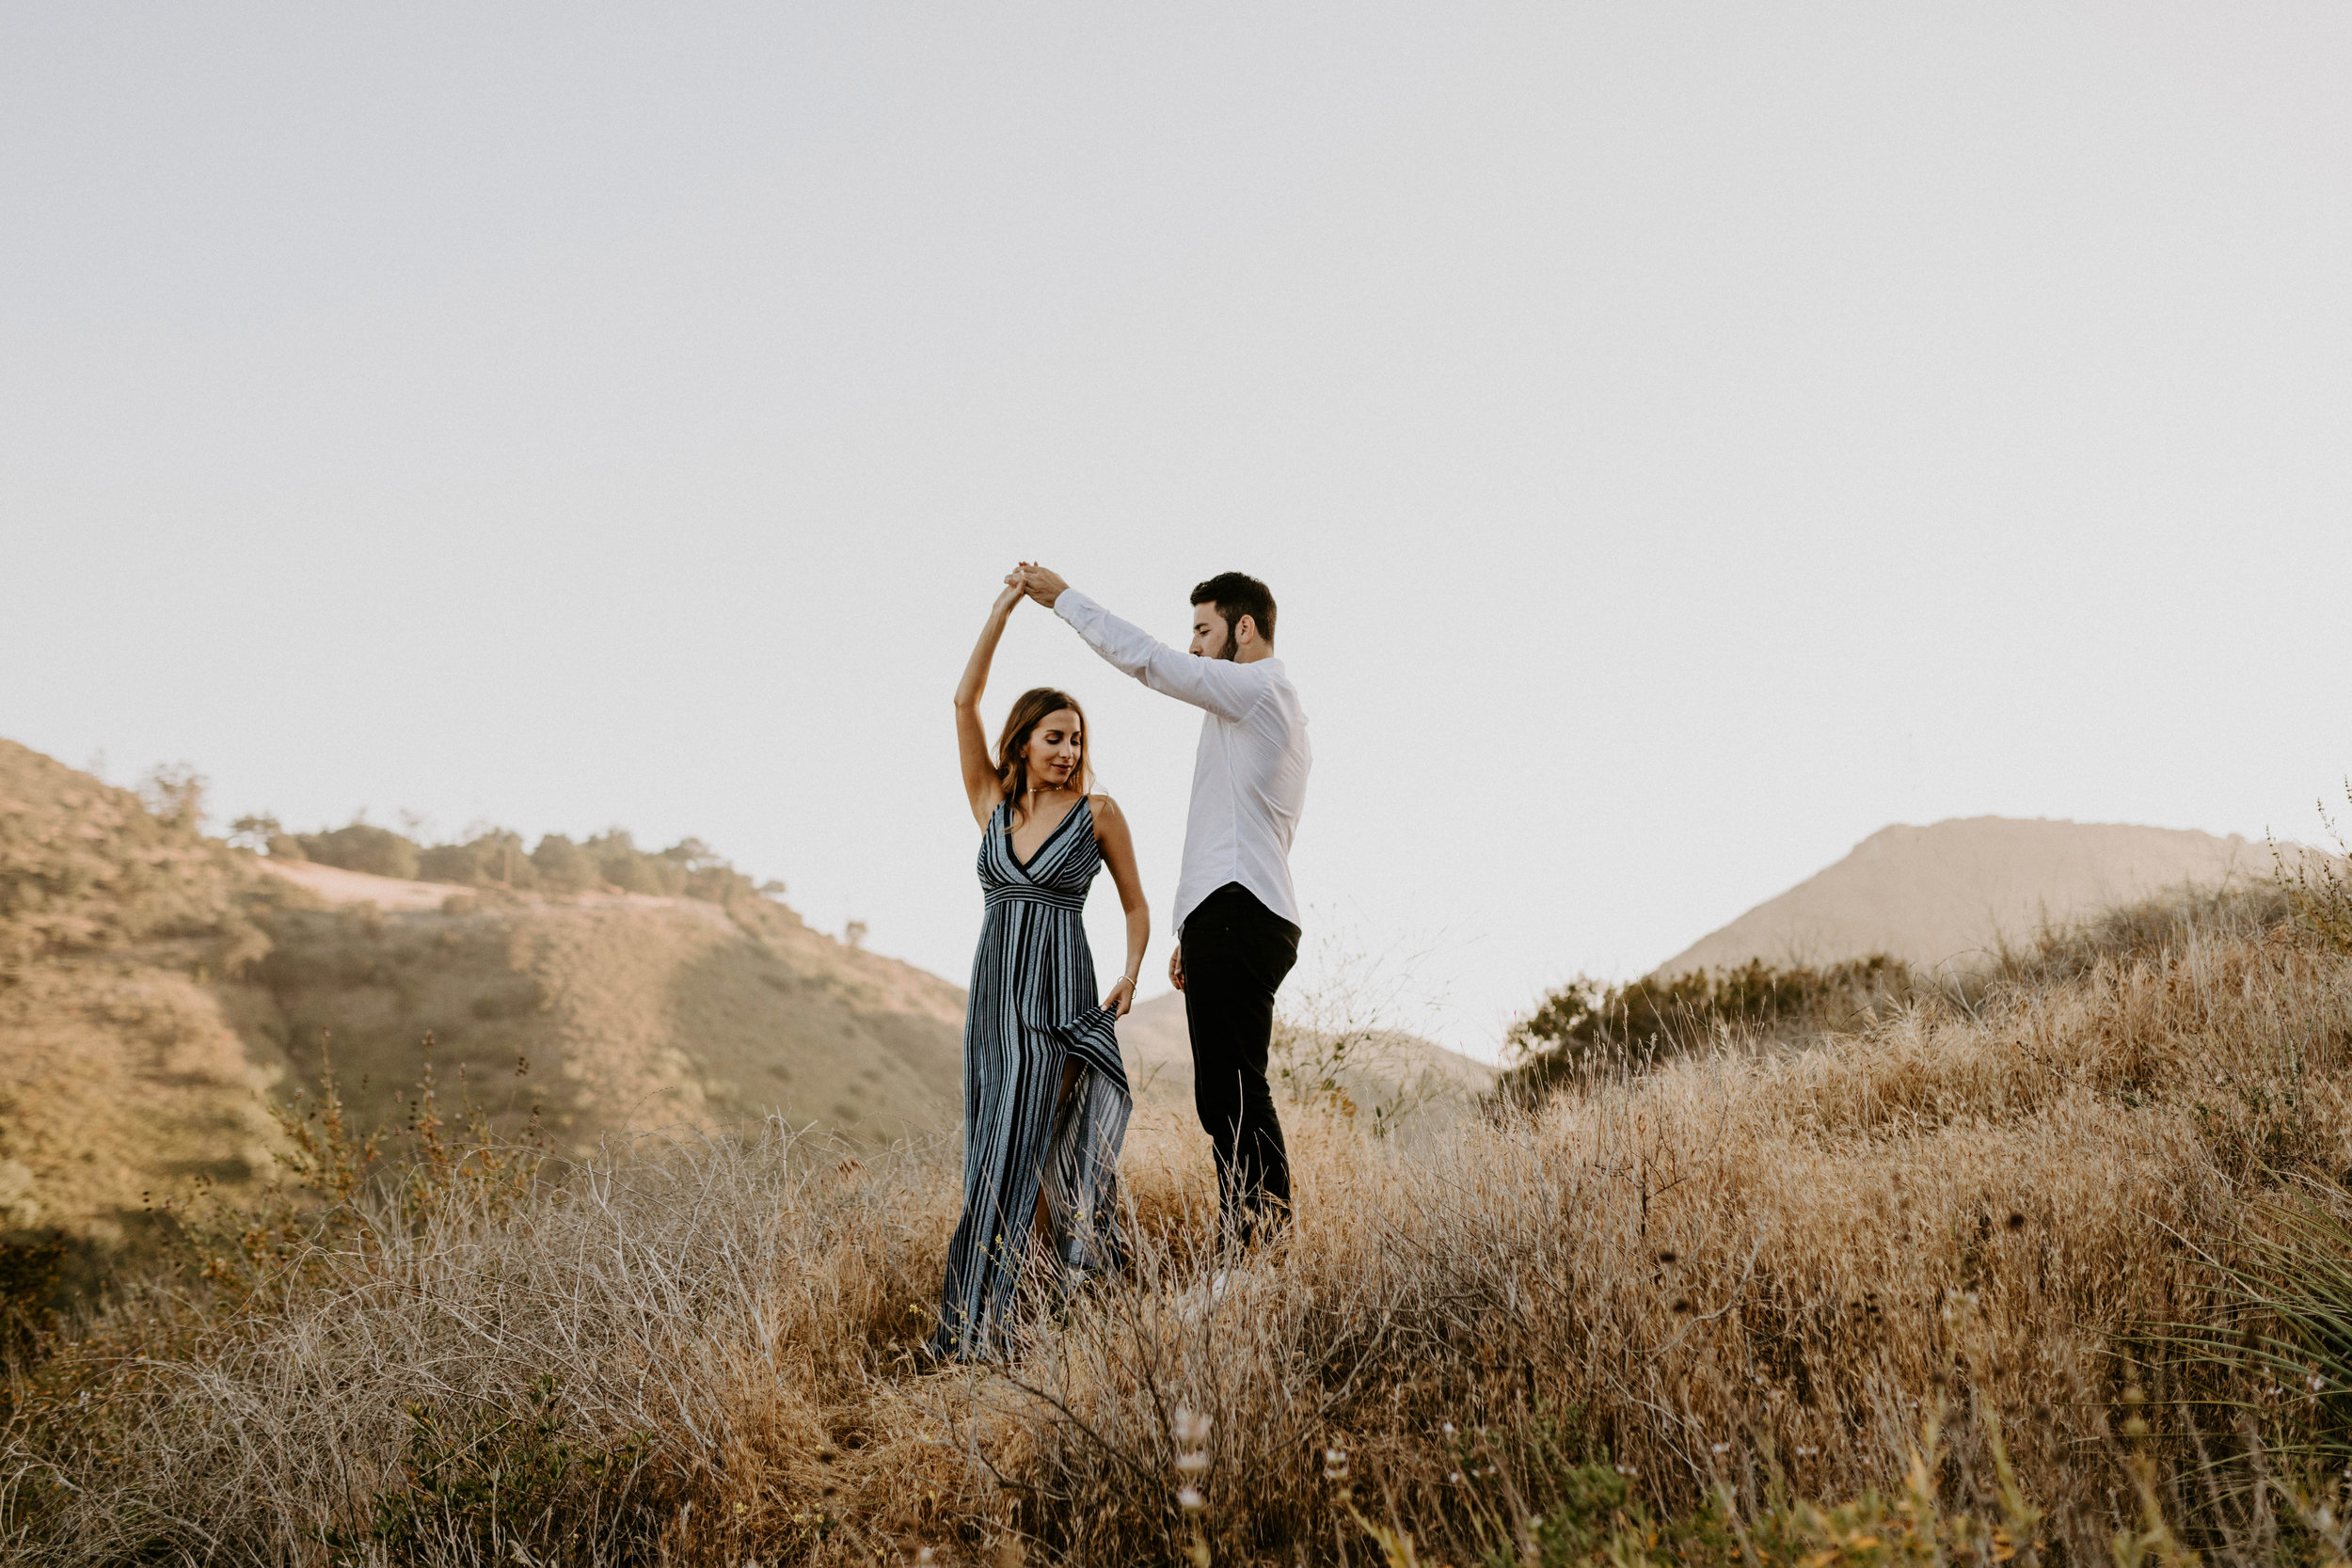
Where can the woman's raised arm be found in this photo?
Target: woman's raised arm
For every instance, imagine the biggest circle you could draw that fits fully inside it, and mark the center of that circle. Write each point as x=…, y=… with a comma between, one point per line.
x=979, y=769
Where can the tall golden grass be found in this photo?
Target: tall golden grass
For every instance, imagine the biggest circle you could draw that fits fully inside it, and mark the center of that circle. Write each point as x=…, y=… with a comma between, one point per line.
x=1910, y=1273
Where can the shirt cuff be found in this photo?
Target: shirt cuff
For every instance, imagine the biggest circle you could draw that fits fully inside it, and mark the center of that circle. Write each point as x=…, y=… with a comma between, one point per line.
x=1070, y=601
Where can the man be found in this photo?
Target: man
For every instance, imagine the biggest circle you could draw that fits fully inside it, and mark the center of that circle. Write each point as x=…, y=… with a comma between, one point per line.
x=1236, y=917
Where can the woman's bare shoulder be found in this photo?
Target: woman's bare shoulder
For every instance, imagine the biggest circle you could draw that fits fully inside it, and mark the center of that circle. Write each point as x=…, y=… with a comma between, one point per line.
x=1104, y=809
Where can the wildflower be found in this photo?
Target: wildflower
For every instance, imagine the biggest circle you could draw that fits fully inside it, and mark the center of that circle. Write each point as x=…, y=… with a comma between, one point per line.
x=1456, y=1477
x=1192, y=1431
x=1335, y=1464
x=1719, y=1448
x=1189, y=1499
x=1628, y=1470
x=2318, y=1383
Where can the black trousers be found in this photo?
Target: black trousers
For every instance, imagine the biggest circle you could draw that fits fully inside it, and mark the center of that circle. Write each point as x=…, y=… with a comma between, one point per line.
x=1237, y=953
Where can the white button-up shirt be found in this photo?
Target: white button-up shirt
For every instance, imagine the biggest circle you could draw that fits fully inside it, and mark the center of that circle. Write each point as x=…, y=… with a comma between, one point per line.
x=1249, y=777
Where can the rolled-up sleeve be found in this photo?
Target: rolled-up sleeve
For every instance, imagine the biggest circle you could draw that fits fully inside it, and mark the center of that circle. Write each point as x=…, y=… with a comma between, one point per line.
x=1224, y=687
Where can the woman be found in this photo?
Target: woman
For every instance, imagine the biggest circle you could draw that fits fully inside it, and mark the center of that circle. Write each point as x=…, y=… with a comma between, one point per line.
x=1045, y=1100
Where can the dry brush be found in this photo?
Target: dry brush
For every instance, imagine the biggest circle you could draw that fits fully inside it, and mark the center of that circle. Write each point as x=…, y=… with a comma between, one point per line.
x=1694, y=1294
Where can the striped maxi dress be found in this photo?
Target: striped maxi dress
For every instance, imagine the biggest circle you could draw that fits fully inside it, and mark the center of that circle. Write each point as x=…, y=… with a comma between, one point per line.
x=1033, y=1009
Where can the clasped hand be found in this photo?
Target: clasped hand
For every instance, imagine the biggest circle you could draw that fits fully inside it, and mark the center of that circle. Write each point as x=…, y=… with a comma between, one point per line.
x=1041, y=583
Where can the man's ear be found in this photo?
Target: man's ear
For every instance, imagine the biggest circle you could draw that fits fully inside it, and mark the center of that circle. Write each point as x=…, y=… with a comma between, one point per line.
x=1248, y=620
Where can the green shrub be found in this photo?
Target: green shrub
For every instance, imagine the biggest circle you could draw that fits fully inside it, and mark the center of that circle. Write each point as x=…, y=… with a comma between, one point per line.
x=1587, y=1022
x=2290, y=1282
x=493, y=859
x=361, y=846
x=174, y=794
x=563, y=865
x=619, y=861
x=2317, y=888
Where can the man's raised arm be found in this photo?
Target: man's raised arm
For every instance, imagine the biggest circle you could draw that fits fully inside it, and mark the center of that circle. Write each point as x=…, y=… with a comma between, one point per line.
x=1224, y=687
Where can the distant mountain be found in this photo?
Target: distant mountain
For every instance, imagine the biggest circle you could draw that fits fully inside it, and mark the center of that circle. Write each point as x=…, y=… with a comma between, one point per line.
x=1952, y=892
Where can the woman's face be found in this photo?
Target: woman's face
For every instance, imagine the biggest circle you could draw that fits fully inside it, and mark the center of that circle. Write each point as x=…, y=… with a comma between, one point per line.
x=1054, y=750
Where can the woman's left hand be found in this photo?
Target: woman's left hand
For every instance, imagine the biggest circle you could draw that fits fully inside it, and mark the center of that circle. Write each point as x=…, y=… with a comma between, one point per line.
x=1120, y=997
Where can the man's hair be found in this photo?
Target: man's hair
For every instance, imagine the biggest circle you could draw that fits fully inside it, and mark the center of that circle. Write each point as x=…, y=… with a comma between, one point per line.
x=1236, y=595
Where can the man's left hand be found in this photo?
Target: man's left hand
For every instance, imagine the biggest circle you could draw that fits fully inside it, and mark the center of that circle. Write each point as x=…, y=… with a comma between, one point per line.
x=1043, y=584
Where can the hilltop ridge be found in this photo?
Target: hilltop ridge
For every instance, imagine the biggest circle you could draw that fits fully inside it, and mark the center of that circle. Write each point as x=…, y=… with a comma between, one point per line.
x=1953, y=891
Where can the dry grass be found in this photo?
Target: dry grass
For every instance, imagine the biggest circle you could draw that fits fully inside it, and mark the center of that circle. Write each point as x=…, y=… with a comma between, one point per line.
x=1687, y=1296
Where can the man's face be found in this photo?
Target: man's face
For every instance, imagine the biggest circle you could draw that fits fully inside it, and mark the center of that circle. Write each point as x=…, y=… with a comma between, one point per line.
x=1210, y=636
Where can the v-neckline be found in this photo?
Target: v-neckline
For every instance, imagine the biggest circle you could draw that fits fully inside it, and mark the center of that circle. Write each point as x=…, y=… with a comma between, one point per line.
x=1051, y=833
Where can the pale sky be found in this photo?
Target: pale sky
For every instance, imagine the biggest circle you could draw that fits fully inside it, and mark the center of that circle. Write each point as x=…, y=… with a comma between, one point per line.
x=1682, y=439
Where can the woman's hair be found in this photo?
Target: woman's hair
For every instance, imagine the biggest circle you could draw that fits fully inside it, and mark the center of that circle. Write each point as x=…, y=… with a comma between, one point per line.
x=1030, y=709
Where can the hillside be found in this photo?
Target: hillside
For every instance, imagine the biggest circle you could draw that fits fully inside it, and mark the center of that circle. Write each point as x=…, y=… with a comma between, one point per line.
x=1381, y=1067
x=1884, y=1300
x=631, y=1010
x=1950, y=892
x=120, y=1073
x=155, y=984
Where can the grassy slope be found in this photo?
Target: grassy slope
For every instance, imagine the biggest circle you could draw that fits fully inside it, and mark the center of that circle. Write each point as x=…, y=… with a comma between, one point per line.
x=1733, y=1268
x=630, y=1012
x=154, y=985
x=122, y=1072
